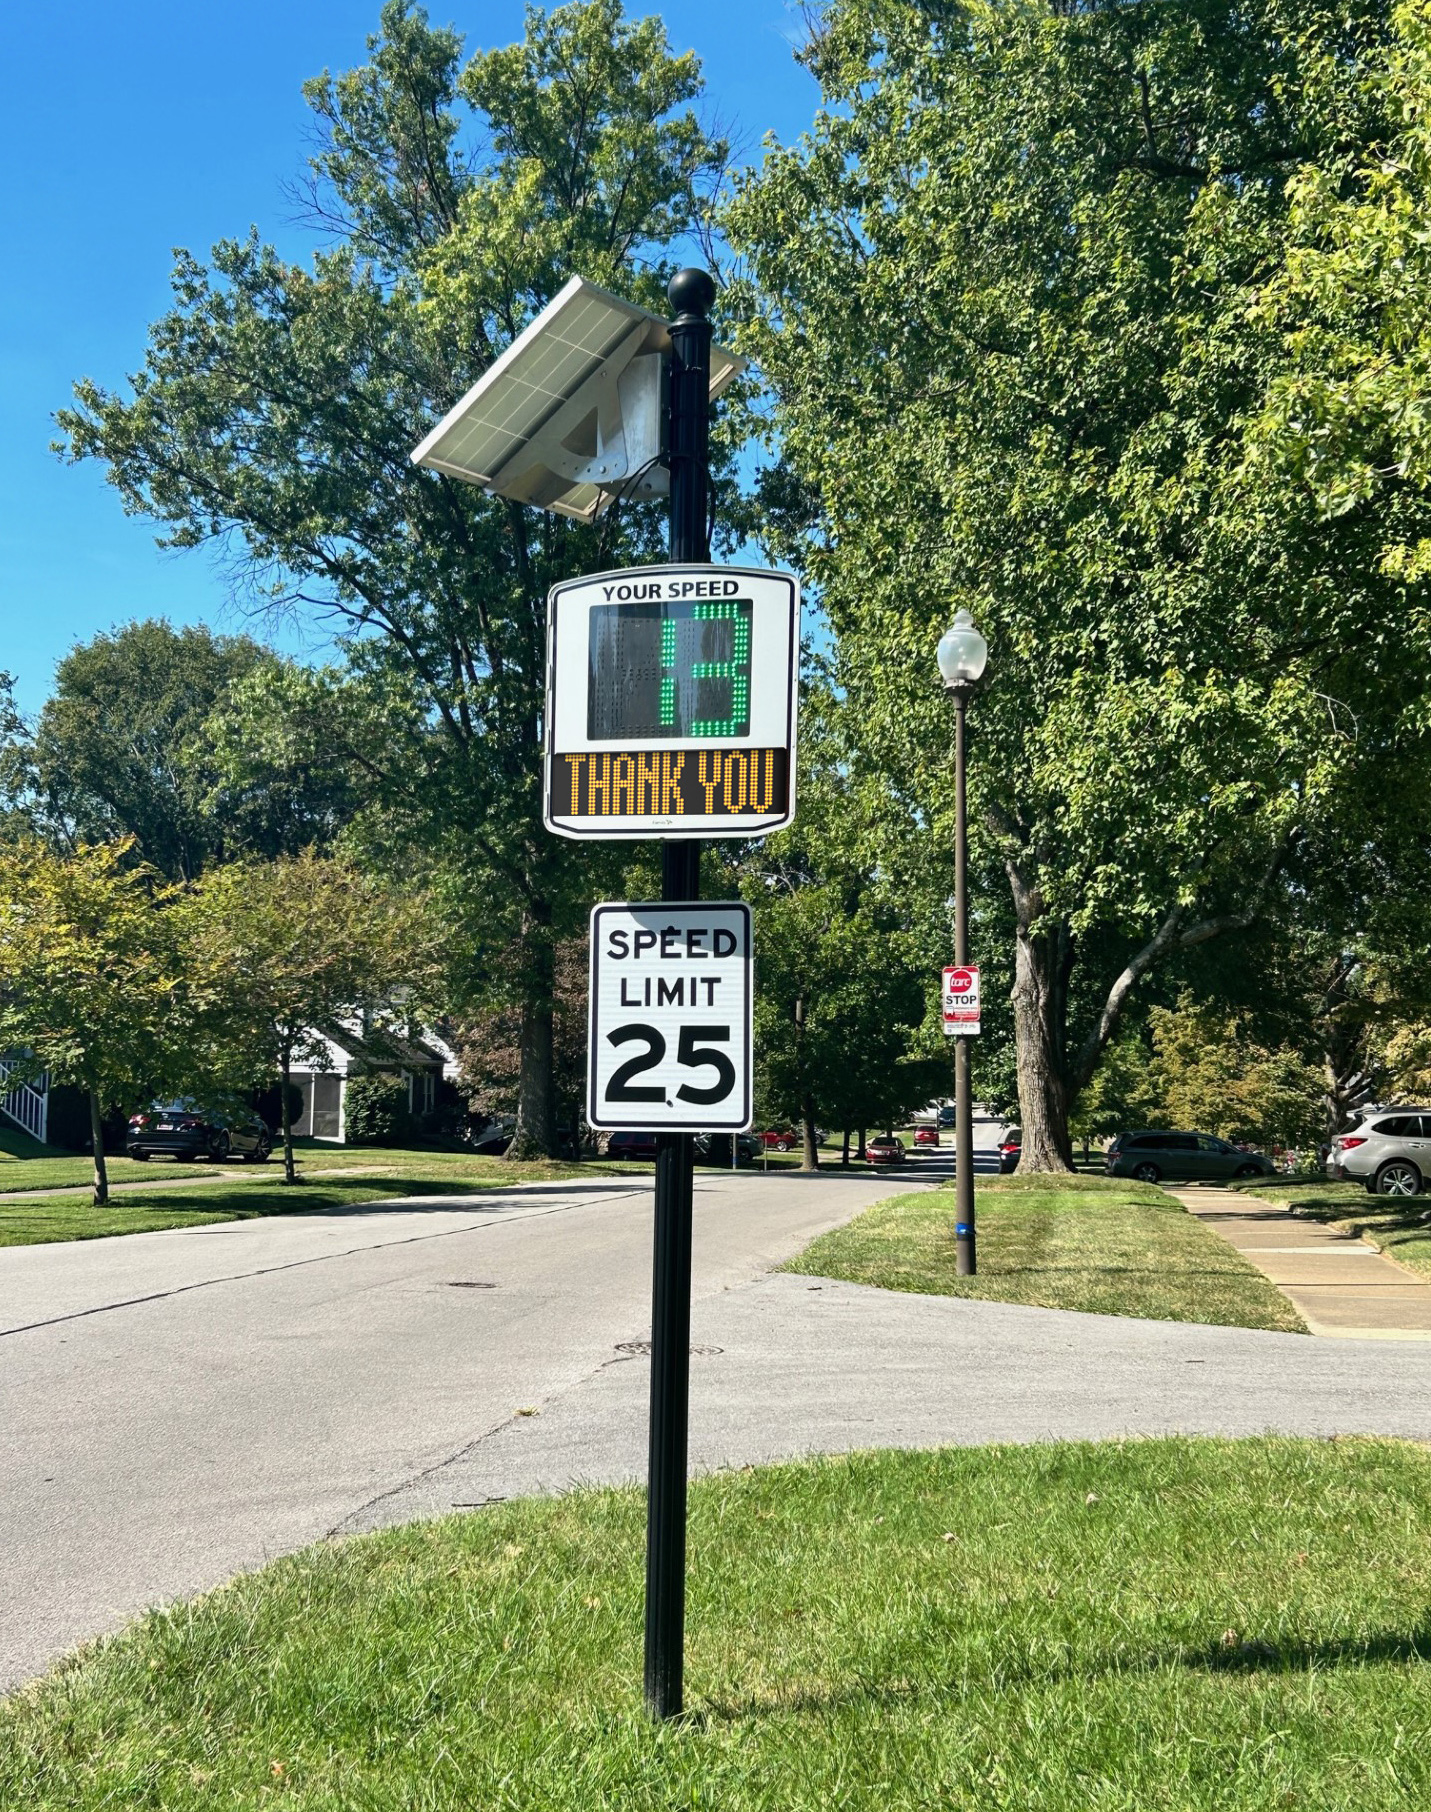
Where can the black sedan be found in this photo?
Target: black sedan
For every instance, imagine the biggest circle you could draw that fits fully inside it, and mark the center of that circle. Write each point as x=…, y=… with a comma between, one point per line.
x=191, y=1128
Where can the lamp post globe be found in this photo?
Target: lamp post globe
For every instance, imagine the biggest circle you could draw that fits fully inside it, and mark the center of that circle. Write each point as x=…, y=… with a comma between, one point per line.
x=963, y=652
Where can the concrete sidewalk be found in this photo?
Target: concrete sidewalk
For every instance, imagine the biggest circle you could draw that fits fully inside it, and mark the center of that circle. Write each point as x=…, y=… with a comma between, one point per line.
x=1341, y=1287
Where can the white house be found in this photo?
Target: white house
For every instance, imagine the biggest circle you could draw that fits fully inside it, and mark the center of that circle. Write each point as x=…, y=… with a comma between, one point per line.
x=421, y=1060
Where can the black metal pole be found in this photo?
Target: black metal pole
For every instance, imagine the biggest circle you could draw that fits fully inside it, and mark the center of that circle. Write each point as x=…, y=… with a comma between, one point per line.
x=966, y=1252
x=691, y=293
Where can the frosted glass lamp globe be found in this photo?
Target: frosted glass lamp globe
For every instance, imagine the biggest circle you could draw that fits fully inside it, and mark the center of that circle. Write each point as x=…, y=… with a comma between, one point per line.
x=963, y=652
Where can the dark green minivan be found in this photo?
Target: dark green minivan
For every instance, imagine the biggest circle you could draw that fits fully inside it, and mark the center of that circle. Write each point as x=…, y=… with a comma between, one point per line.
x=1182, y=1157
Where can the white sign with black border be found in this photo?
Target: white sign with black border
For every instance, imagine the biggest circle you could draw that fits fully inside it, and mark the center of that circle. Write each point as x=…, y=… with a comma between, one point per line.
x=961, y=1000
x=670, y=1017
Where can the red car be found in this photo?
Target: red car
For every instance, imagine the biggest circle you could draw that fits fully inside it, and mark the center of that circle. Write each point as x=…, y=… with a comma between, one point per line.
x=779, y=1139
x=885, y=1150
x=632, y=1145
x=926, y=1135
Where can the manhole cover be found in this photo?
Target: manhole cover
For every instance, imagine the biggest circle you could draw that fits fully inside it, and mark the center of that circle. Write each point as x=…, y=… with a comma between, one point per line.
x=466, y=1283
x=643, y=1348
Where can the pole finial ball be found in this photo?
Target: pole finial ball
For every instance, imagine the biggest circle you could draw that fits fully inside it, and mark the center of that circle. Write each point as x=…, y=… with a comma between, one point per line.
x=691, y=292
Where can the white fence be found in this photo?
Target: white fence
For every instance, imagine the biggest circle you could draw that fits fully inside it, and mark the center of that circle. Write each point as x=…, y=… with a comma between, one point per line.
x=27, y=1103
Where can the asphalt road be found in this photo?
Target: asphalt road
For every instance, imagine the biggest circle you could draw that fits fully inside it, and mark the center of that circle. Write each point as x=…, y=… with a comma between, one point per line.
x=179, y=1406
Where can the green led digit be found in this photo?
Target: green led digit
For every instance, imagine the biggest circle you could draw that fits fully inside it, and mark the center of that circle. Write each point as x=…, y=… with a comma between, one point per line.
x=668, y=677
x=736, y=670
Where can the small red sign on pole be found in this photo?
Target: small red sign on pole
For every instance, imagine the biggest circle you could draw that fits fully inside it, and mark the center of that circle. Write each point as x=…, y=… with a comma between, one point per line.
x=961, y=1000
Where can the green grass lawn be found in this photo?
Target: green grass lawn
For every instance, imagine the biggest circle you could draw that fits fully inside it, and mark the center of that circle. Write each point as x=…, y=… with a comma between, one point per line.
x=43, y=1218
x=45, y=1168
x=15, y=1145
x=1104, y=1246
x=1392, y=1223
x=1155, y=1626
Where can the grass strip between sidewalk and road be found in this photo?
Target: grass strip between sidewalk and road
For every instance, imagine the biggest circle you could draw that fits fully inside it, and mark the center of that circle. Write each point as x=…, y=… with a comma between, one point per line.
x=1101, y=1245
x=45, y=1218
x=1399, y=1226
x=1151, y=1626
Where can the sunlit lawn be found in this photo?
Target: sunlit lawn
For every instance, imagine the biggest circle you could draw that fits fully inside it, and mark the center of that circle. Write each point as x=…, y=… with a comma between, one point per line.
x=327, y=1183
x=1157, y=1626
x=1108, y=1247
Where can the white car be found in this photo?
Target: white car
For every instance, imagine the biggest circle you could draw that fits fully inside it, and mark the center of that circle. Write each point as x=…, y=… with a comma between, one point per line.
x=1389, y=1151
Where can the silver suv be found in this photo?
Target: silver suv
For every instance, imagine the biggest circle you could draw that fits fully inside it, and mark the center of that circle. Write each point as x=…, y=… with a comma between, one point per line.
x=1389, y=1151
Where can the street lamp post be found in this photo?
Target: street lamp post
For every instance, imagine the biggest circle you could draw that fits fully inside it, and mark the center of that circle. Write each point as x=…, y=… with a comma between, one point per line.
x=963, y=653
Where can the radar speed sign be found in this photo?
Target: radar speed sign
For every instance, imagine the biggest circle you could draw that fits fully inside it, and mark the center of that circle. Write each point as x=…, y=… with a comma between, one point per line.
x=671, y=702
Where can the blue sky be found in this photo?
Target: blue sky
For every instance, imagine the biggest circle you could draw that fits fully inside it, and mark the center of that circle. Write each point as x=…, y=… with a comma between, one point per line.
x=136, y=126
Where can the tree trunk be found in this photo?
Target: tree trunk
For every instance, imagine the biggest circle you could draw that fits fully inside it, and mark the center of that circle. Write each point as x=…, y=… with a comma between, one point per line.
x=860, y=1153
x=535, y=1135
x=101, y=1169
x=810, y=1157
x=845, y=1151
x=1042, y=961
x=285, y=1114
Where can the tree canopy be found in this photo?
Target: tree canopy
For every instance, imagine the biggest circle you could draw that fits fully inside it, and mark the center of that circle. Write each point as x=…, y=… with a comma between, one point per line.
x=1008, y=298
x=96, y=985
x=129, y=744
x=277, y=404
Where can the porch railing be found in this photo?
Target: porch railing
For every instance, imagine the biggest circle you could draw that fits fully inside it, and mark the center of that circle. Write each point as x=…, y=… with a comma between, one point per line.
x=27, y=1104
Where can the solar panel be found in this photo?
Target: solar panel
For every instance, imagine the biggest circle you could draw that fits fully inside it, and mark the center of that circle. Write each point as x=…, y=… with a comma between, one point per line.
x=570, y=414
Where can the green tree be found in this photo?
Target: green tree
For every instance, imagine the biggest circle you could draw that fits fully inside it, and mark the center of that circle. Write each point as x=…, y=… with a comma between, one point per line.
x=838, y=1010
x=1345, y=421
x=845, y=918
x=1209, y=1075
x=1008, y=301
x=301, y=943
x=126, y=746
x=277, y=406
x=97, y=984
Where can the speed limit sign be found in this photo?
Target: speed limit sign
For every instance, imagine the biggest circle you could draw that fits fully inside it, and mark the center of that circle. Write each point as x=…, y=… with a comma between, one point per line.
x=670, y=1018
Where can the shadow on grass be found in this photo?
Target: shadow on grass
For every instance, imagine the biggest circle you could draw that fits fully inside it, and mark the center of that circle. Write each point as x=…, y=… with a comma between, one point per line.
x=1253, y=1655
x=1240, y=1657
x=1319, y=1201
x=378, y=1194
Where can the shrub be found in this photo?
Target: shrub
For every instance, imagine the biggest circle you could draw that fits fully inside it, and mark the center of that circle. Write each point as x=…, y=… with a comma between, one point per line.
x=376, y=1110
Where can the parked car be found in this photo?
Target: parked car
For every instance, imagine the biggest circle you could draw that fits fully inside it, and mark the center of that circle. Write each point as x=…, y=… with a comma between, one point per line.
x=187, y=1127
x=781, y=1138
x=926, y=1135
x=1010, y=1150
x=946, y=1114
x=714, y=1148
x=491, y=1138
x=1389, y=1152
x=631, y=1145
x=1181, y=1157
x=886, y=1149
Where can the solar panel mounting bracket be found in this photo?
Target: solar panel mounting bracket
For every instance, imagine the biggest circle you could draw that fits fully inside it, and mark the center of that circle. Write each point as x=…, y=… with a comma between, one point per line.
x=572, y=415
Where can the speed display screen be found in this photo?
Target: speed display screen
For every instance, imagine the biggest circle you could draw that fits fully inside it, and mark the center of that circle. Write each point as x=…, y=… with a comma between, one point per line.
x=669, y=669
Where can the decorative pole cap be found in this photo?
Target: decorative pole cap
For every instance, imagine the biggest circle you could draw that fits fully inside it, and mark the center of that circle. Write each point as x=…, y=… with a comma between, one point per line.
x=691, y=293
